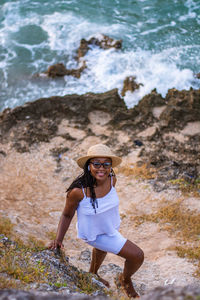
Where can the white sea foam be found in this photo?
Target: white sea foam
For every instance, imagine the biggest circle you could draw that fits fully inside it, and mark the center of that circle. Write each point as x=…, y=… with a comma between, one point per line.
x=190, y=15
x=158, y=28
x=13, y=20
x=66, y=30
x=106, y=69
x=192, y=4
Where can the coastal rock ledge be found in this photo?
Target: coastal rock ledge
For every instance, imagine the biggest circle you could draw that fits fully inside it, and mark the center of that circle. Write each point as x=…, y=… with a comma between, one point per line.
x=163, y=133
x=39, y=142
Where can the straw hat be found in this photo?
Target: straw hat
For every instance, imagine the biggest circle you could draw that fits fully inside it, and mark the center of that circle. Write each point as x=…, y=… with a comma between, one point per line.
x=99, y=150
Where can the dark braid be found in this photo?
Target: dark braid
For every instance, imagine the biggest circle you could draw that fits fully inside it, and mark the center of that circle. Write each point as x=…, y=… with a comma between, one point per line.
x=86, y=180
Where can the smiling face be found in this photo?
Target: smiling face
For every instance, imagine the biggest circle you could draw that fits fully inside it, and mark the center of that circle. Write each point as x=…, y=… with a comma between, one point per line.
x=102, y=173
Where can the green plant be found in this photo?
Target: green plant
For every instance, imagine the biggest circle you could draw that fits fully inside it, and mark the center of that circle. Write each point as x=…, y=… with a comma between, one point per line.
x=85, y=283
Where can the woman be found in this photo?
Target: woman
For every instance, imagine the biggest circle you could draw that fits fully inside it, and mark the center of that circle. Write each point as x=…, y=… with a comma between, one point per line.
x=93, y=196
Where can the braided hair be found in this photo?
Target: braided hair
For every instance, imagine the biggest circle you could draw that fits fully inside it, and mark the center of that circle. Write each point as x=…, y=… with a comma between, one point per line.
x=86, y=180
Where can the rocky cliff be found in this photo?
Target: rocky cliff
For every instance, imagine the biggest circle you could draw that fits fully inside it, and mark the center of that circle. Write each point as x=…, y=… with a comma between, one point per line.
x=159, y=140
x=167, y=131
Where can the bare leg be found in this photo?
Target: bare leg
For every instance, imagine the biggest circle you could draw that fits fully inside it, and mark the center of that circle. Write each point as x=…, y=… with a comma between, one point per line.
x=97, y=259
x=134, y=258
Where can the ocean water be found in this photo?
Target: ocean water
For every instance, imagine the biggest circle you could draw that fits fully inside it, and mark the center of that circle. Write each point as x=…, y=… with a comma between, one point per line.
x=161, y=46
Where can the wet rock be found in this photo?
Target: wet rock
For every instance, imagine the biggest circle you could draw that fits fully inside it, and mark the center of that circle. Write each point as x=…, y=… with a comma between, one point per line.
x=102, y=41
x=83, y=48
x=105, y=42
x=59, y=70
x=130, y=85
x=197, y=75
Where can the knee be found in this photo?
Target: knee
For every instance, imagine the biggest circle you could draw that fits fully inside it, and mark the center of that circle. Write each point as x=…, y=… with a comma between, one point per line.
x=138, y=256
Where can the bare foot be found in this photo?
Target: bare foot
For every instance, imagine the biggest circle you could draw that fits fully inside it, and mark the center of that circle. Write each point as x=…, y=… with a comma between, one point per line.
x=126, y=285
x=105, y=282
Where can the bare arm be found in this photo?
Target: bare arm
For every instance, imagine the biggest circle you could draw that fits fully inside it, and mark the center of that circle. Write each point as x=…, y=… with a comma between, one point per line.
x=72, y=201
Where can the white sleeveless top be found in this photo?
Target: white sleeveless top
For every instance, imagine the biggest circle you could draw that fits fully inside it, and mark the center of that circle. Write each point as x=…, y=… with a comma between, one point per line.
x=106, y=219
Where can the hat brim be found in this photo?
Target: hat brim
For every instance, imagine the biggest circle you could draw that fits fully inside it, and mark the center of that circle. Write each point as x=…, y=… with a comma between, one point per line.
x=116, y=160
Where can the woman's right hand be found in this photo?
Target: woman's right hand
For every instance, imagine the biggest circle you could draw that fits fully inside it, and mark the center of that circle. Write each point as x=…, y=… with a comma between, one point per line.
x=55, y=245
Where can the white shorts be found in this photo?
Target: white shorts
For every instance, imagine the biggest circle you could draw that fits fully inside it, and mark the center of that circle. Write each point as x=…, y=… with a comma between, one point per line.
x=107, y=243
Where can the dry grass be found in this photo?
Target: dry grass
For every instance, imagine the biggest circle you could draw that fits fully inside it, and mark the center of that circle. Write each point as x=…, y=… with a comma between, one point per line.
x=8, y=283
x=192, y=253
x=6, y=227
x=188, y=187
x=17, y=264
x=85, y=283
x=174, y=218
x=18, y=268
x=35, y=244
x=140, y=172
x=51, y=235
x=183, y=223
x=15, y=259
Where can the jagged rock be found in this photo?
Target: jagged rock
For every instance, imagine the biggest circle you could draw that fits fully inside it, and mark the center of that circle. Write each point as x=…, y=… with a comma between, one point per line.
x=11, y=294
x=105, y=42
x=197, y=75
x=110, y=268
x=59, y=70
x=172, y=292
x=38, y=121
x=140, y=116
x=182, y=107
x=130, y=85
x=57, y=275
x=85, y=255
x=168, y=128
x=160, y=293
x=83, y=48
x=102, y=41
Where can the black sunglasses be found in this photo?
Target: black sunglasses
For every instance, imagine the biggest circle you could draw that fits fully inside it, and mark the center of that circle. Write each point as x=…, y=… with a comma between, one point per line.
x=97, y=165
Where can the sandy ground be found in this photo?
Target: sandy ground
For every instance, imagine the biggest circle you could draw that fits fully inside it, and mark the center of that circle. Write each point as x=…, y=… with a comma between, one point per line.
x=32, y=194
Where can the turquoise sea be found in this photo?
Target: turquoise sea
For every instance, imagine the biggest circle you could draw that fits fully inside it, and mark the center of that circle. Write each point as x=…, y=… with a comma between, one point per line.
x=161, y=46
